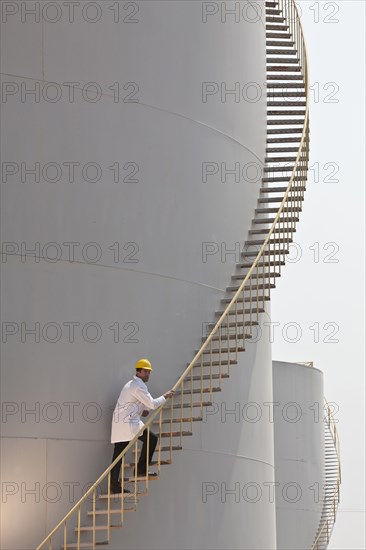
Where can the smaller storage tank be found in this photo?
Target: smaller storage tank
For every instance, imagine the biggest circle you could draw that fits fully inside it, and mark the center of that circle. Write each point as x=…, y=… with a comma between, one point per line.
x=298, y=402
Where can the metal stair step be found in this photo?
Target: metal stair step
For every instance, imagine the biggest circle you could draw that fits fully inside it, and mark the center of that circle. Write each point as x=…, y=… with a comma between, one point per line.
x=112, y=511
x=215, y=376
x=270, y=35
x=87, y=528
x=260, y=242
x=260, y=287
x=271, y=18
x=127, y=496
x=198, y=390
x=286, y=85
x=271, y=103
x=240, y=301
x=180, y=420
x=234, y=288
x=232, y=324
x=283, y=60
x=265, y=231
x=86, y=544
x=275, y=189
x=274, y=16
x=275, y=210
x=274, y=131
x=224, y=339
x=247, y=265
x=140, y=478
x=267, y=200
x=246, y=312
x=174, y=434
x=223, y=350
x=282, y=150
x=285, y=122
x=266, y=252
x=173, y=447
x=152, y=463
x=258, y=221
x=285, y=77
x=275, y=10
x=277, y=43
x=260, y=276
x=270, y=27
x=285, y=68
x=274, y=51
x=286, y=113
x=272, y=169
x=280, y=159
x=283, y=178
x=214, y=363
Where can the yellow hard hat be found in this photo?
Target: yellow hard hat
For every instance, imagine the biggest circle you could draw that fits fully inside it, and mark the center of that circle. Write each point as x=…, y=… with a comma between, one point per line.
x=143, y=364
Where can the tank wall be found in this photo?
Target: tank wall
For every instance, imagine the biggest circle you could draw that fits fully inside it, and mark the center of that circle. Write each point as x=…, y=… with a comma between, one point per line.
x=125, y=276
x=299, y=453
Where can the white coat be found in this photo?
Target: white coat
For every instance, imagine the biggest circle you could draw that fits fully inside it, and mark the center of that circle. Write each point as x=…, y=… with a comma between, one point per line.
x=133, y=400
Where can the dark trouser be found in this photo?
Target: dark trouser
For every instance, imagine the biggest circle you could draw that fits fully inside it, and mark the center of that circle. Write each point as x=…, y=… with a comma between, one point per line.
x=141, y=465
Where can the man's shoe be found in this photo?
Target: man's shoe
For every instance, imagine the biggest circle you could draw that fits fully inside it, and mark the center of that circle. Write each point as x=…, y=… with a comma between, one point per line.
x=143, y=474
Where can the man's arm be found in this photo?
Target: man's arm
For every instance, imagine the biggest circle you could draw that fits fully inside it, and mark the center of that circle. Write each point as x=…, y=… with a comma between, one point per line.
x=145, y=397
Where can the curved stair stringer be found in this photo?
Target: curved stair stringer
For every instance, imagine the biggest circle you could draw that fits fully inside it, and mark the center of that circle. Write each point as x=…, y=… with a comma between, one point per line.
x=264, y=255
x=332, y=481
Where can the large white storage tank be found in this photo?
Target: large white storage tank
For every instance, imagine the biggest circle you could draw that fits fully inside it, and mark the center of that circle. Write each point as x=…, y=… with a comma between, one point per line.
x=111, y=117
x=298, y=398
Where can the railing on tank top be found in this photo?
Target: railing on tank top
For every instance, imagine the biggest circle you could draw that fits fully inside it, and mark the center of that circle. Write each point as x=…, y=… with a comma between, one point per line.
x=254, y=291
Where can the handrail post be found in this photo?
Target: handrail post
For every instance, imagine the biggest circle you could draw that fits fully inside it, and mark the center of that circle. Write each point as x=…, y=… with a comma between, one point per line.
x=94, y=519
x=122, y=491
x=109, y=506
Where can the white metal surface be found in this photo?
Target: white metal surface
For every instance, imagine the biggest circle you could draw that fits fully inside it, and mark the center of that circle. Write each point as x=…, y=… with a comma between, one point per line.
x=299, y=452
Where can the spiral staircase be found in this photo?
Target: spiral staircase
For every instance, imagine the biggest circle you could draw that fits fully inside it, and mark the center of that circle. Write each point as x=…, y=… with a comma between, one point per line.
x=264, y=254
x=332, y=481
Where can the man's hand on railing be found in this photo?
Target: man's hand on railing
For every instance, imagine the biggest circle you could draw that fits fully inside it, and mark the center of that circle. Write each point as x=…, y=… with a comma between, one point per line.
x=144, y=413
x=169, y=394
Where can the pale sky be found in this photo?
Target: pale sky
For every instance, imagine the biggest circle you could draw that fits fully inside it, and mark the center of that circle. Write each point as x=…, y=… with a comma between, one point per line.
x=317, y=290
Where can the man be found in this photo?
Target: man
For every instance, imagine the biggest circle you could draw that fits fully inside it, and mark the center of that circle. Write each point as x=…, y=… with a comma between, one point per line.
x=132, y=403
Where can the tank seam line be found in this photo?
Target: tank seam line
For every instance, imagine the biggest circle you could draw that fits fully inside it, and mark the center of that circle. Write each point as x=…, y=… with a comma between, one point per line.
x=231, y=454
x=149, y=106
x=126, y=269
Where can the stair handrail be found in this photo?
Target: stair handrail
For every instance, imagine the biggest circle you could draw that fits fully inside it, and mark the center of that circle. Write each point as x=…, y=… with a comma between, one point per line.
x=292, y=16
x=330, y=517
